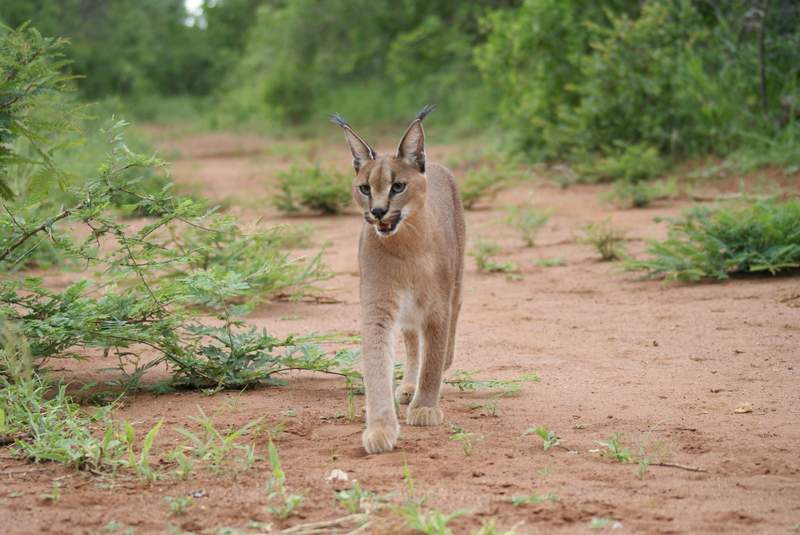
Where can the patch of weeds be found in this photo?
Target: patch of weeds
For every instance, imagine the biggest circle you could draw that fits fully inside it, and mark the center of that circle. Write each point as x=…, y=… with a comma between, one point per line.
x=114, y=526
x=600, y=523
x=605, y=238
x=757, y=237
x=550, y=262
x=220, y=448
x=614, y=449
x=528, y=221
x=489, y=527
x=483, y=251
x=533, y=499
x=546, y=471
x=327, y=192
x=44, y=423
x=467, y=439
x=350, y=403
x=549, y=438
x=185, y=464
x=53, y=495
x=417, y=517
x=642, y=194
x=179, y=505
x=488, y=408
x=141, y=463
x=430, y=521
x=650, y=452
x=466, y=381
x=354, y=499
x=284, y=503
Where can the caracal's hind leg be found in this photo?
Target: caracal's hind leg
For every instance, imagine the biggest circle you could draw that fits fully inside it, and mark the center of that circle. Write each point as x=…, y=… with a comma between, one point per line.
x=424, y=409
x=405, y=392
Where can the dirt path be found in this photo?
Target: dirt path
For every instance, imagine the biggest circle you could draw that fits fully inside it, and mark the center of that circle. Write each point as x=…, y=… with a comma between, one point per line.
x=665, y=365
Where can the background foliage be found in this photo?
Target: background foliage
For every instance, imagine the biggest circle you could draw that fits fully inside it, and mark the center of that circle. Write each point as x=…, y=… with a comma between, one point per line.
x=563, y=79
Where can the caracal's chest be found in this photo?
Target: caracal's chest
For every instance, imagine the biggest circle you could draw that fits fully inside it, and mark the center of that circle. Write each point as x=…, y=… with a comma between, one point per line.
x=410, y=310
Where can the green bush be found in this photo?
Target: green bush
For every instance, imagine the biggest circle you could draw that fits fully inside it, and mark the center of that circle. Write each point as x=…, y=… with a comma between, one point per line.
x=32, y=123
x=313, y=188
x=151, y=287
x=533, y=56
x=647, y=81
x=578, y=81
x=632, y=163
x=715, y=244
x=301, y=63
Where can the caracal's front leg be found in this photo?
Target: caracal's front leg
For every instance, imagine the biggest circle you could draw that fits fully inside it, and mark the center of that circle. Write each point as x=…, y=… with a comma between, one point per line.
x=405, y=392
x=424, y=409
x=378, y=361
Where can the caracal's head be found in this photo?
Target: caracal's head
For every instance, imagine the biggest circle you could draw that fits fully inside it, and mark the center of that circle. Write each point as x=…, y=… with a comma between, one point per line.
x=389, y=189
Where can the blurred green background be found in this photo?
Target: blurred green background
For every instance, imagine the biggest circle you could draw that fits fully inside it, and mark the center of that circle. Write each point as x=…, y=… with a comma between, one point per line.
x=596, y=84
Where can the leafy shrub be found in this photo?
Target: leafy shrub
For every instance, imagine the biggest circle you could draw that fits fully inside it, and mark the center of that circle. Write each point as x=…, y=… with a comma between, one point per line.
x=605, y=239
x=633, y=163
x=31, y=124
x=532, y=55
x=156, y=283
x=254, y=263
x=641, y=194
x=748, y=238
x=527, y=221
x=317, y=190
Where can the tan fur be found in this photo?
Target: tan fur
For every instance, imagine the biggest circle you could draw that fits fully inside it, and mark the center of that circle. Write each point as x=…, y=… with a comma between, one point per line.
x=411, y=280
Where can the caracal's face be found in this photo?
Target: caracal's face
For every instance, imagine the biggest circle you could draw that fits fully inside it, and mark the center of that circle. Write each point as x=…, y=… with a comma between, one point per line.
x=388, y=191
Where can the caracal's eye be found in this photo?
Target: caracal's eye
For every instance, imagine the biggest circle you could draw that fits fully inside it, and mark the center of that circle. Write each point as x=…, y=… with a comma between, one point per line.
x=398, y=187
x=364, y=189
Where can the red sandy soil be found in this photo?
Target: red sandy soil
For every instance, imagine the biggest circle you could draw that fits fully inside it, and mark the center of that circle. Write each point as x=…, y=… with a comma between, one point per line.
x=665, y=364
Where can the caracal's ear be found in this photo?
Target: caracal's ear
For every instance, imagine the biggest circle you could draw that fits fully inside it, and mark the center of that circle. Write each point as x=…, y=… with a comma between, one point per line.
x=361, y=150
x=412, y=147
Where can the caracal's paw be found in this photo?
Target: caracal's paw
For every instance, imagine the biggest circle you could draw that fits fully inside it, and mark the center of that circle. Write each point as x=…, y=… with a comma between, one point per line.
x=405, y=393
x=424, y=416
x=380, y=438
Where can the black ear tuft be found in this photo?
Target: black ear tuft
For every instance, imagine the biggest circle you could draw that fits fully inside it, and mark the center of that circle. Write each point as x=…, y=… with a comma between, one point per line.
x=360, y=149
x=412, y=145
x=424, y=112
x=339, y=120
